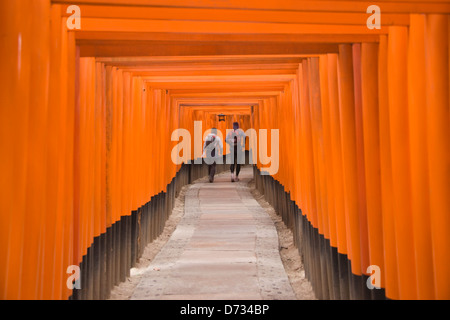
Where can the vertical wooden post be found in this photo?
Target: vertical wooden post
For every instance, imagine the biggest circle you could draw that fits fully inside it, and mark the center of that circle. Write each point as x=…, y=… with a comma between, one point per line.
x=389, y=243
x=320, y=171
x=437, y=78
x=398, y=114
x=418, y=131
x=360, y=148
x=339, y=201
x=370, y=118
x=332, y=264
x=348, y=134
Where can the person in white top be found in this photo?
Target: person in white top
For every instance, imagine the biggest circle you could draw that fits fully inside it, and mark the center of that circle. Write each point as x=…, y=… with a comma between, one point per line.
x=236, y=140
x=212, y=151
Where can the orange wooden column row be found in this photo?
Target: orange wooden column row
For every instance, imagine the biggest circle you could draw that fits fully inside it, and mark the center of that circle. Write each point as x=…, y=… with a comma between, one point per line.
x=37, y=121
x=371, y=129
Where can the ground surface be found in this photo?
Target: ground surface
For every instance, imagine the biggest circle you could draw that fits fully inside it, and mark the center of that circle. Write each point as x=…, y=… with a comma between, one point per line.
x=222, y=241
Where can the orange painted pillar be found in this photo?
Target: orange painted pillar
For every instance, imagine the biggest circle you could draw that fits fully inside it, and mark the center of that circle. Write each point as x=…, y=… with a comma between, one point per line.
x=68, y=74
x=150, y=143
x=400, y=141
x=418, y=131
x=293, y=154
x=320, y=173
x=84, y=150
x=141, y=146
x=311, y=207
x=15, y=79
x=60, y=146
x=312, y=213
x=325, y=161
x=128, y=151
x=163, y=146
x=77, y=209
x=109, y=148
x=362, y=206
x=101, y=105
x=121, y=140
x=291, y=147
x=328, y=155
x=335, y=135
x=318, y=149
x=158, y=127
x=147, y=139
x=437, y=79
x=338, y=176
x=298, y=164
x=283, y=128
x=349, y=158
x=39, y=227
x=390, y=273
x=370, y=122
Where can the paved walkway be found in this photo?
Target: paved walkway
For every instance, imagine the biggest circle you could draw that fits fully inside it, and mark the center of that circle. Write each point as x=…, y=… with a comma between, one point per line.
x=225, y=247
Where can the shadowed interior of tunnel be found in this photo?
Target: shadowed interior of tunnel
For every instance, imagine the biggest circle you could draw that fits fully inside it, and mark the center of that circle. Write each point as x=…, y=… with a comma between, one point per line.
x=346, y=123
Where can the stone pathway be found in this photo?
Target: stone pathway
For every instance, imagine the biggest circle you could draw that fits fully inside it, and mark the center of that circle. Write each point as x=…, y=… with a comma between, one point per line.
x=225, y=247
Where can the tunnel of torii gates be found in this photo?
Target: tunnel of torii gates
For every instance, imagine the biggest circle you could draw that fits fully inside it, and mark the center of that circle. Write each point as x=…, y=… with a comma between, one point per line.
x=87, y=116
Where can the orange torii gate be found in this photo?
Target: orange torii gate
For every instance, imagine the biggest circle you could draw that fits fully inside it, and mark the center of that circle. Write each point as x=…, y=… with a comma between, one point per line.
x=86, y=117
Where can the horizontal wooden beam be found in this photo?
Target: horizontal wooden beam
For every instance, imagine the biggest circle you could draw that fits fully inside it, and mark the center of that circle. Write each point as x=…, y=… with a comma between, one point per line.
x=220, y=78
x=387, y=6
x=220, y=85
x=213, y=73
x=217, y=102
x=211, y=68
x=235, y=15
x=159, y=48
x=229, y=91
x=91, y=37
x=221, y=27
x=225, y=59
x=221, y=95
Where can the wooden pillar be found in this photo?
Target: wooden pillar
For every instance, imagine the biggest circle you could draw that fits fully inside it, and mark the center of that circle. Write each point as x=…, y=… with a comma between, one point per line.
x=437, y=84
x=311, y=210
x=328, y=154
x=360, y=149
x=39, y=212
x=348, y=134
x=311, y=195
x=370, y=118
x=14, y=95
x=332, y=263
x=319, y=165
x=400, y=142
x=418, y=131
x=389, y=243
x=339, y=201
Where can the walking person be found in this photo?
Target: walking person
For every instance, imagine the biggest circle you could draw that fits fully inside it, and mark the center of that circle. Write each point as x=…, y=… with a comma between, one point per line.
x=212, y=151
x=236, y=140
